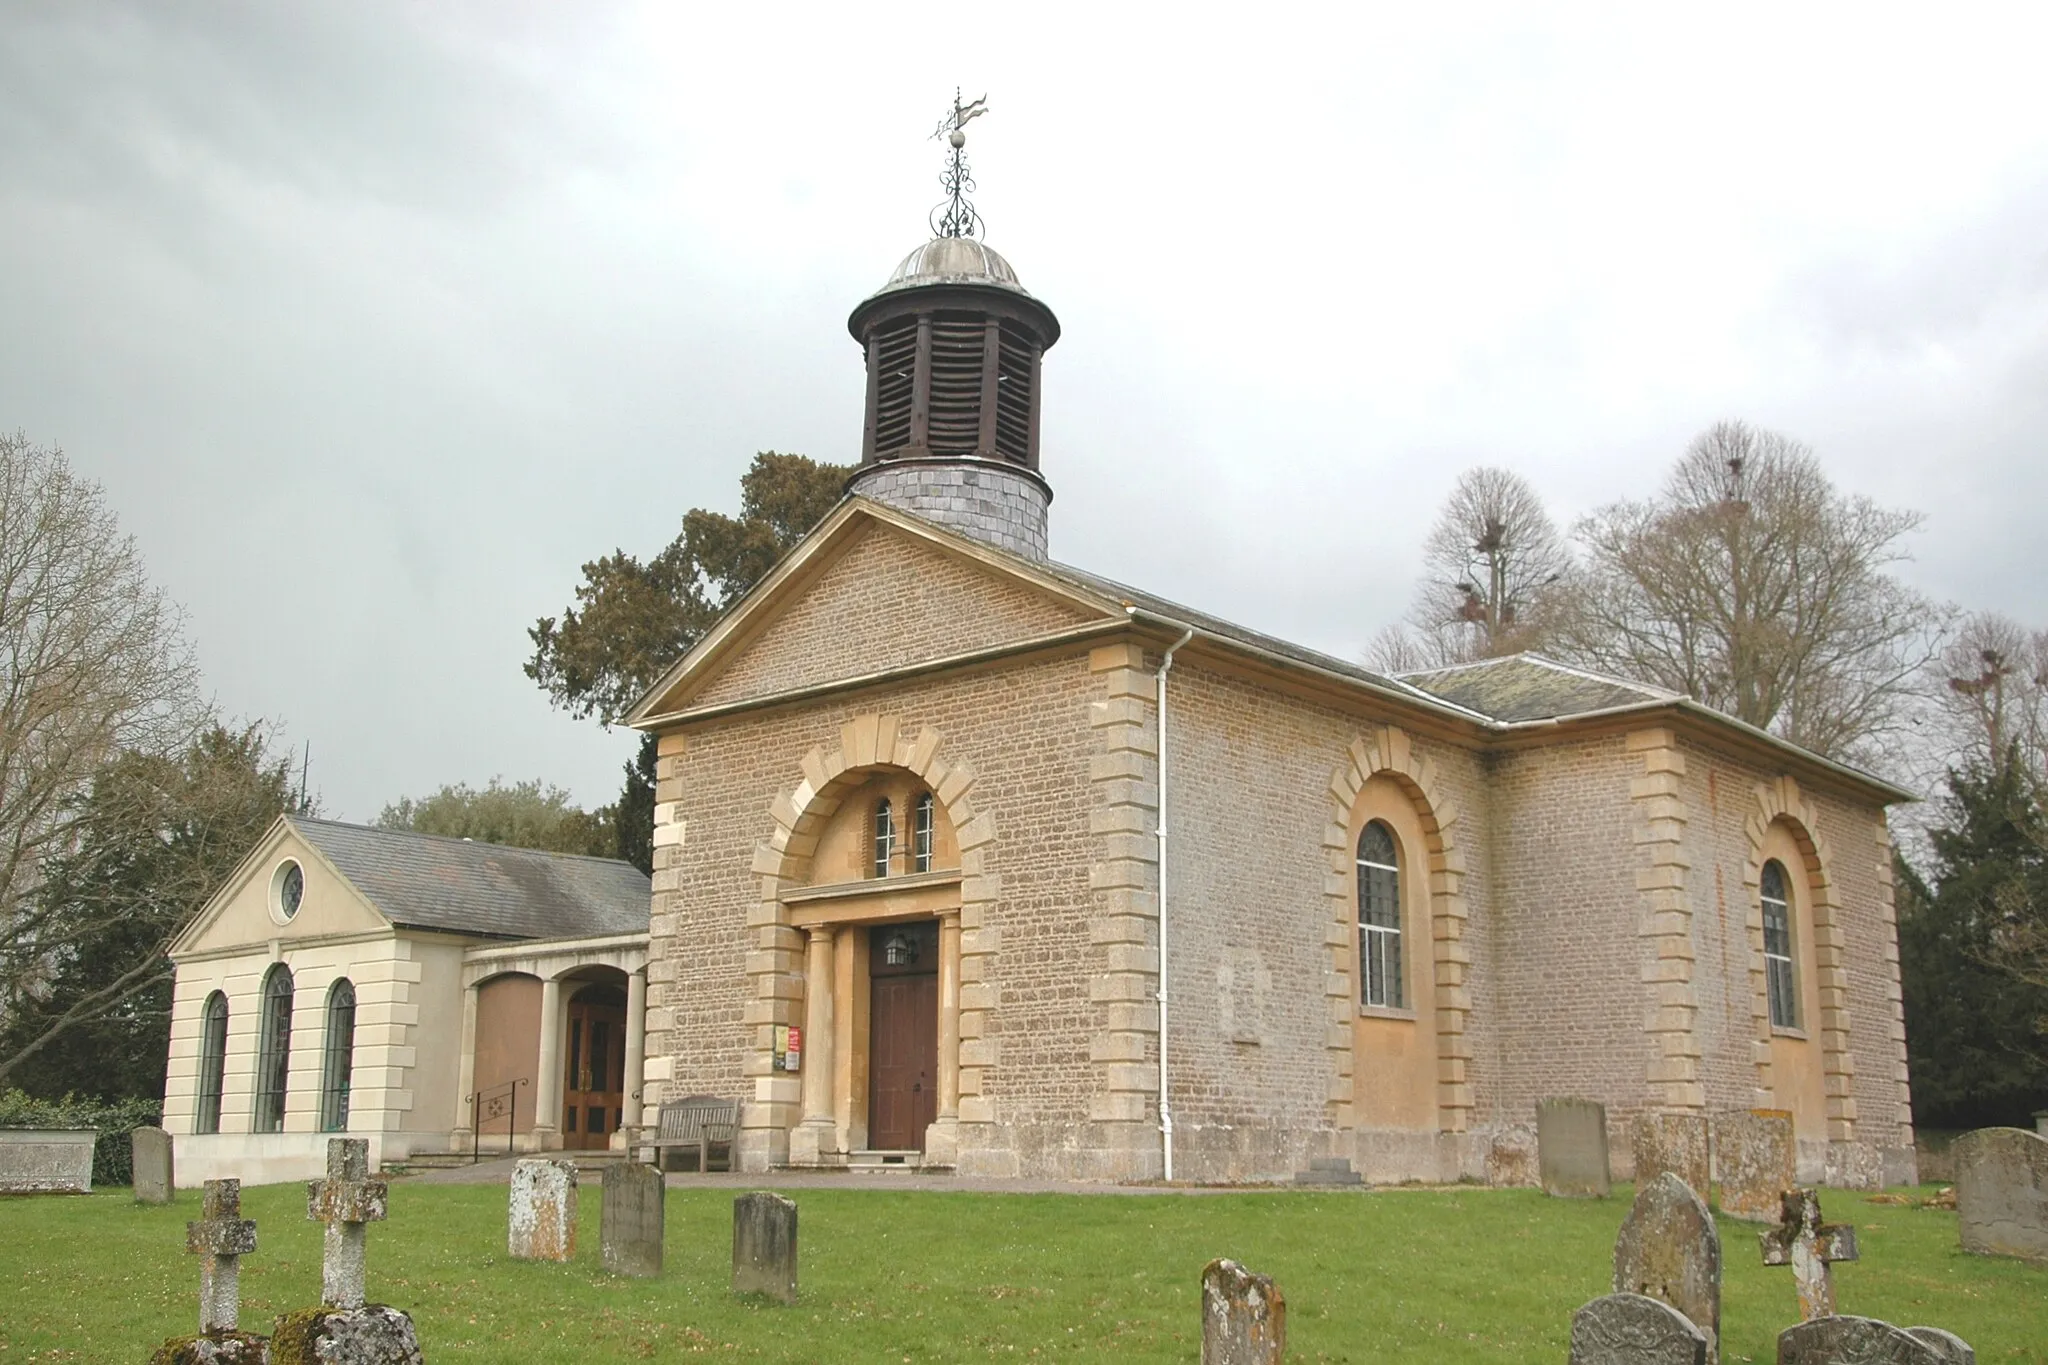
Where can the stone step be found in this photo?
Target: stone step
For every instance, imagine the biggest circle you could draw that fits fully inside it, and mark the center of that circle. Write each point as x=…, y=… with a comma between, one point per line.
x=885, y=1161
x=1329, y=1170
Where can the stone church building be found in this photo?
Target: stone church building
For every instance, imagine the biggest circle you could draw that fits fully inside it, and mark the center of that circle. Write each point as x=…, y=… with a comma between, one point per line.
x=933, y=809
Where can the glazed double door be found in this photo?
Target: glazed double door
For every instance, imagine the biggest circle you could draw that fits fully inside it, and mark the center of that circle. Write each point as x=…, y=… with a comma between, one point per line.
x=594, y=1083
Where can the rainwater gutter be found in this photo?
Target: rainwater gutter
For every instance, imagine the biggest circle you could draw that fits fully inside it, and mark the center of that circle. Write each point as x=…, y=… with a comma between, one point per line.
x=1165, y=1107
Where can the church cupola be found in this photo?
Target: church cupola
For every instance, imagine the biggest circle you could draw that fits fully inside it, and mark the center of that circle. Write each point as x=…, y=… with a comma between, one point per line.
x=953, y=346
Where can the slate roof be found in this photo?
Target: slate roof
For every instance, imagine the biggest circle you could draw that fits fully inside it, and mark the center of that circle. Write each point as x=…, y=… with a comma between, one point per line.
x=425, y=881
x=1525, y=687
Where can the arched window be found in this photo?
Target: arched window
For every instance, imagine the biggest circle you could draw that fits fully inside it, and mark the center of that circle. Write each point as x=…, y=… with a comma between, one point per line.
x=1778, y=974
x=885, y=836
x=1380, y=978
x=921, y=815
x=338, y=1056
x=213, y=1062
x=273, y=1050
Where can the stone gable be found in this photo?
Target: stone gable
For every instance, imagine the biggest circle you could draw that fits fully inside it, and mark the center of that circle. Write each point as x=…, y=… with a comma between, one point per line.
x=887, y=602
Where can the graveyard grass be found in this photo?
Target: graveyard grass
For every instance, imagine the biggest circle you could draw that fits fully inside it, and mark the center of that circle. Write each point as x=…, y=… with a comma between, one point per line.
x=1438, y=1275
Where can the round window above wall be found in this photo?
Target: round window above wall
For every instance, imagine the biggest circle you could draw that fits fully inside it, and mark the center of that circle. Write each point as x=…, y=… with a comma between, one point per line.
x=287, y=889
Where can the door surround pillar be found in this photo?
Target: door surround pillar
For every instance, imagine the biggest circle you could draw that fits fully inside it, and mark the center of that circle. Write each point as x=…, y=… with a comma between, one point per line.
x=815, y=1140
x=547, y=1098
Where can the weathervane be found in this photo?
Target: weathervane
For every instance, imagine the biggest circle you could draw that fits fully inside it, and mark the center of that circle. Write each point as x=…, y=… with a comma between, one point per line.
x=956, y=217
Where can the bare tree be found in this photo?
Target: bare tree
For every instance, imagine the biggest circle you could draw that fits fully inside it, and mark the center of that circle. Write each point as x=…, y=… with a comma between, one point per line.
x=1494, y=566
x=1754, y=585
x=93, y=663
x=1988, y=691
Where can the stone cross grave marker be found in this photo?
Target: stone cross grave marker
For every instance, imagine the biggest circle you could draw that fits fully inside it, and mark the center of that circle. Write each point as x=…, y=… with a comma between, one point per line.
x=347, y=1201
x=1810, y=1247
x=1571, y=1148
x=2002, y=1192
x=1854, y=1341
x=221, y=1238
x=1755, y=1157
x=629, y=1230
x=150, y=1153
x=1669, y=1249
x=542, y=1211
x=1244, y=1317
x=1634, y=1329
x=1671, y=1142
x=764, y=1246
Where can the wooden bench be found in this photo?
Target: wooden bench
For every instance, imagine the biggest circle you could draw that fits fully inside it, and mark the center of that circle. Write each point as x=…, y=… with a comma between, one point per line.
x=699, y=1121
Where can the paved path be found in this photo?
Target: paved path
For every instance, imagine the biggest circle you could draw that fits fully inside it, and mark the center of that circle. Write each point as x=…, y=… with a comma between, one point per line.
x=499, y=1172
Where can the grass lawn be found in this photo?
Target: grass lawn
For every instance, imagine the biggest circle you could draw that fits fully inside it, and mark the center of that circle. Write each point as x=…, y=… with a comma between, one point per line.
x=1401, y=1275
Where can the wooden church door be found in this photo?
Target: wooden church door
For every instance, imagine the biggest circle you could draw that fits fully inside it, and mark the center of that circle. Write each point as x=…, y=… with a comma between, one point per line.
x=594, y=1086
x=903, y=1036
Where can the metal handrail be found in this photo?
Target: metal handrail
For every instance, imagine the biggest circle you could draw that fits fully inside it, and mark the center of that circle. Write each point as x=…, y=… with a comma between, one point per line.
x=501, y=1099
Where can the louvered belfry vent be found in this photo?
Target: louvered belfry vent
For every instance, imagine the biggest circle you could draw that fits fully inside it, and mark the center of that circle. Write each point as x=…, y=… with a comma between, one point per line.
x=954, y=351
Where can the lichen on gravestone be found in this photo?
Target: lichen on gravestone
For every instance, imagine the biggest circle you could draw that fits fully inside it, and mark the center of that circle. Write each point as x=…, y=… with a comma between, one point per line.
x=375, y=1334
x=1244, y=1316
x=213, y=1348
x=1634, y=1329
x=1669, y=1249
x=1848, y=1340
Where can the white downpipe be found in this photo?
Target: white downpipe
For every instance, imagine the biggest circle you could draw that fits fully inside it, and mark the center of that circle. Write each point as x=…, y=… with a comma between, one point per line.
x=1165, y=1108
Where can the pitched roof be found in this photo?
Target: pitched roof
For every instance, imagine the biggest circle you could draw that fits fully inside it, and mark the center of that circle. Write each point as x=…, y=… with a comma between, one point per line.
x=1525, y=687
x=426, y=881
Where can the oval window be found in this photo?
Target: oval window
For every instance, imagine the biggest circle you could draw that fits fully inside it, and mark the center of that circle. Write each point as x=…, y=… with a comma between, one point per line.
x=287, y=889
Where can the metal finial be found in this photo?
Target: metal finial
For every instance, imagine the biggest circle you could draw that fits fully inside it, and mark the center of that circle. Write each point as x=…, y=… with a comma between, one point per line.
x=956, y=217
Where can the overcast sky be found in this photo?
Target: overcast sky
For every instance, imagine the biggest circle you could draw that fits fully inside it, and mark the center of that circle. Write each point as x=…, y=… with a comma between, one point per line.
x=377, y=320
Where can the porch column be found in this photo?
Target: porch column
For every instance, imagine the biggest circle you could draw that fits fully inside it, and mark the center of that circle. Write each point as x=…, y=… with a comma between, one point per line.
x=465, y=1076
x=636, y=1055
x=547, y=1086
x=949, y=1017
x=817, y=1137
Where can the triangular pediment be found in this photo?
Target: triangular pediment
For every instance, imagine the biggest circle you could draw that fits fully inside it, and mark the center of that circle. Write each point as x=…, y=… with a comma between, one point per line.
x=869, y=591
x=246, y=910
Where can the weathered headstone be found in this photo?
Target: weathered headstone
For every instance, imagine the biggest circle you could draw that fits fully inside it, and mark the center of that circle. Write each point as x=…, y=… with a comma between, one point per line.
x=375, y=1334
x=1511, y=1157
x=1754, y=1156
x=629, y=1229
x=46, y=1160
x=2002, y=1192
x=1634, y=1329
x=1244, y=1317
x=542, y=1223
x=150, y=1155
x=1853, y=1341
x=1670, y=1250
x=221, y=1238
x=347, y=1201
x=1810, y=1247
x=764, y=1246
x=1571, y=1148
x=1671, y=1142
x=1952, y=1349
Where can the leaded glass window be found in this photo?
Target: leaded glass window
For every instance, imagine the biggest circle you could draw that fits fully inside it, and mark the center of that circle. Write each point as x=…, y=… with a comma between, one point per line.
x=338, y=1056
x=885, y=837
x=273, y=1050
x=213, y=1061
x=1778, y=972
x=921, y=815
x=1380, y=978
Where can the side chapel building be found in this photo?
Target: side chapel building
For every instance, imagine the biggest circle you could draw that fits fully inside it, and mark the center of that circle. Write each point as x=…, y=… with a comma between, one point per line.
x=932, y=809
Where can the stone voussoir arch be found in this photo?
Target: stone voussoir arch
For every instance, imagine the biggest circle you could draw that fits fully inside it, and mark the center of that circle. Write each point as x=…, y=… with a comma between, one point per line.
x=1388, y=752
x=1781, y=803
x=775, y=961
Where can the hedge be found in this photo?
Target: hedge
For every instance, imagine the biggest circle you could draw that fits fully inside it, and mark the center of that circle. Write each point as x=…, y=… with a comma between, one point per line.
x=112, y=1158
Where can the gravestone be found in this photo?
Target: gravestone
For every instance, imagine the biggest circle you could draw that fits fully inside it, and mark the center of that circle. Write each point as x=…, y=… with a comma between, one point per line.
x=221, y=1238
x=1571, y=1148
x=150, y=1151
x=1952, y=1349
x=1511, y=1157
x=1634, y=1329
x=629, y=1229
x=374, y=1334
x=1671, y=1142
x=46, y=1160
x=1853, y=1341
x=542, y=1221
x=1244, y=1317
x=764, y=1246
x=1754, y=1157
x=2002, y=1192
x=1670, y=1250
x=1811, y=1248
x=347, y=1201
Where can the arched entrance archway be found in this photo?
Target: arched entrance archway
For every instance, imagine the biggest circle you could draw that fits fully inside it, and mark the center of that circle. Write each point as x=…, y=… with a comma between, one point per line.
x=594, y=1060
